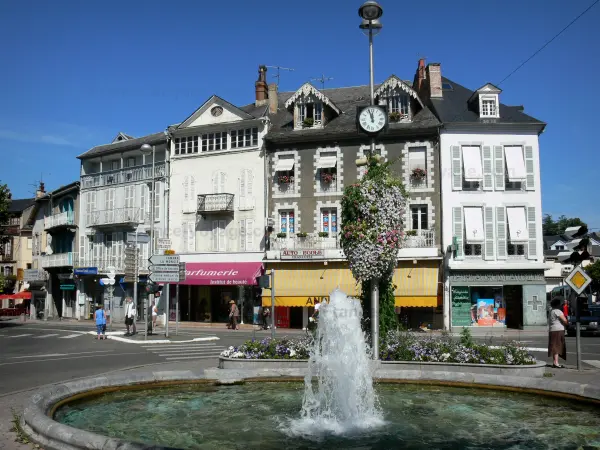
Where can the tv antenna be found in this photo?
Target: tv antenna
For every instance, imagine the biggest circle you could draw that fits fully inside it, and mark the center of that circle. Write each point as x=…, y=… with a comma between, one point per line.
x=278, y=74
x=322, y=80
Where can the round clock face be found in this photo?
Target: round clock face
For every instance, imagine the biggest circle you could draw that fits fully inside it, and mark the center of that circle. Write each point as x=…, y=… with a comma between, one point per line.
x=372, y=119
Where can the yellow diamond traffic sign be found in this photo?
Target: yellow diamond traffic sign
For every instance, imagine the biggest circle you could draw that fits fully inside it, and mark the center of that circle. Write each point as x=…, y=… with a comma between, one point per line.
x=578, y=280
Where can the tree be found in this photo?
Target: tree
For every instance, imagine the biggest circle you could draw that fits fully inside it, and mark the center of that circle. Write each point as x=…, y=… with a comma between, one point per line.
x=4, y=205
x=593, y=270
x=553, y=227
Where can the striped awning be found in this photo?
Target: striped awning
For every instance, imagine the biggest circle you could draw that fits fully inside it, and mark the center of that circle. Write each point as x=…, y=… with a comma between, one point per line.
x=417, y=284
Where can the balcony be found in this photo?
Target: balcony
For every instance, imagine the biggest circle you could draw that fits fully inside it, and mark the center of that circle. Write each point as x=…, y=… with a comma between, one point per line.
x=62, y=220
x=118, y=263
x=111, y=217
x=7, y=257
x=305, y=243
x=215, y=203
x=285, y=188
x=59, y=260
x=126, y=175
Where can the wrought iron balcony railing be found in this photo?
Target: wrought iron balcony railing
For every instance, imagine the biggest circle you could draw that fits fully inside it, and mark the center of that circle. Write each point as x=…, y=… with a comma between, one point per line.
x=215, y=203
x=118, y=216
x=126, y=175
x=117, y=262
x=64, y=219
x=59, y=260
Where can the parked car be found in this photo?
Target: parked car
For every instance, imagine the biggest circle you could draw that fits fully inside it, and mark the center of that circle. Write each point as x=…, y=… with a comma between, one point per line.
x=589, y=321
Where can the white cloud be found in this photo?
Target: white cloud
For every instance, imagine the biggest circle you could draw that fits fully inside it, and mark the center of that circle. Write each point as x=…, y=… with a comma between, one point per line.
x=48, y=139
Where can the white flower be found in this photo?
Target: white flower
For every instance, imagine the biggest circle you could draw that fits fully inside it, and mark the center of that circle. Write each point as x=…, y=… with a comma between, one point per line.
x=292, y=353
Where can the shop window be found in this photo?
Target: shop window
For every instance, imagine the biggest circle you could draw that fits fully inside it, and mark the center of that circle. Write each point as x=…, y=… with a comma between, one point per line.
x=478, y=306
x=286, y=223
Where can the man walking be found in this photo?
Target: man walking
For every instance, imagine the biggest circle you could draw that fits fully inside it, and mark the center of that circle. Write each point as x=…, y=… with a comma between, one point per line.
x=130, y=314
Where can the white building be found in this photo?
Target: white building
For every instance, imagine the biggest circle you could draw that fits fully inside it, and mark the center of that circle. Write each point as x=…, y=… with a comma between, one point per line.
x=217, y=203
x=491, y=203
x=116, y=198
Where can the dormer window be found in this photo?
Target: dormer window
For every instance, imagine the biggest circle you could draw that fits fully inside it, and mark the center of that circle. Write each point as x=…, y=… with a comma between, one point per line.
x=489, y=106
x=486, y=100
x=401, y=100
x=310, y=115
x=311, y=108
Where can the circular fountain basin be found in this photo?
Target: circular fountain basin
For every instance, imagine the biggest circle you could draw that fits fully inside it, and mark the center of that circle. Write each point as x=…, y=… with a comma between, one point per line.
x=266, y=415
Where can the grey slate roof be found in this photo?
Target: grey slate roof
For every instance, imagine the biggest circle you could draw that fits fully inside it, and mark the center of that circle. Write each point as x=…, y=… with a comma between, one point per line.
x=348, y=99
x=20, y=205
x=130, y=144
x=550, y=240
x=454, y=107
x=551, y=253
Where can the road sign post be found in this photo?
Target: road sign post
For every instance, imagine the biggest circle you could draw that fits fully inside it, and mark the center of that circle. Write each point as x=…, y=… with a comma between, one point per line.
x=578, y=280
x=177, y=309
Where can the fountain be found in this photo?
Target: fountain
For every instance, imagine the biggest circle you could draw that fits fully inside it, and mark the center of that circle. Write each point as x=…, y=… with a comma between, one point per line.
x=342, y=398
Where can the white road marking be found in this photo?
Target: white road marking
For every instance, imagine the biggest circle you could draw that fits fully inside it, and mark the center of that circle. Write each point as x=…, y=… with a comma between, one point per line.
x=52, y=329
x=173, y=346
x=70, y=336
x=62, y=359
x=20, y=335
x=193, y=357
x=44, y=336
x=51, y=355
x=592, y=363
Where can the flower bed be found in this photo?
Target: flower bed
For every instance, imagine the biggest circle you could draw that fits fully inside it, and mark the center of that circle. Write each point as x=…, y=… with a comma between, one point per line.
x=396, y=346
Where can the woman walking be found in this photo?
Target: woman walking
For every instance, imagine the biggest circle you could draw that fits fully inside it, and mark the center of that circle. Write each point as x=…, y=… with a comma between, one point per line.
x=234, y=312
x=100, y=318
x=556, y=336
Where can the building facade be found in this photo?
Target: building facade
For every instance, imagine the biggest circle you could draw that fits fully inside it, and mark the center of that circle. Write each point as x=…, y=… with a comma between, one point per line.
x=217, y=204
x=117, y=197
x=491, y=201
x=313, y=147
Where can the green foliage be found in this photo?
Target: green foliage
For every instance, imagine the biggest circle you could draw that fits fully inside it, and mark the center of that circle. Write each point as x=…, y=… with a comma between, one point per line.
x=21, y=436
x=4, y=203
x=466, y=338
x=593, y=270
x=2, y=281
x=553, y=227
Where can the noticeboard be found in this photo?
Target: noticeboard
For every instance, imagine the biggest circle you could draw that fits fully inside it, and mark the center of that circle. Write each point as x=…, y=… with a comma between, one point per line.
x=461, y=306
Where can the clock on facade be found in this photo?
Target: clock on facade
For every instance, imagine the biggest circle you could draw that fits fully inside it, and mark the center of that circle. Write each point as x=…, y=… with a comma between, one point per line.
x=372, y=119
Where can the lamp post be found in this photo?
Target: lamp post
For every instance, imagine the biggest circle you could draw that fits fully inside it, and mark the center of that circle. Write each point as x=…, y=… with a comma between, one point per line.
x=370, y=12
x=147, y=149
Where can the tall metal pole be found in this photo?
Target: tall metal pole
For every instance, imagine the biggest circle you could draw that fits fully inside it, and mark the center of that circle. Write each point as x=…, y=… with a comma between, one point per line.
x=177, y=309
x=273, y=303
x=578, y=331
x=167, y=308
x=152, y=213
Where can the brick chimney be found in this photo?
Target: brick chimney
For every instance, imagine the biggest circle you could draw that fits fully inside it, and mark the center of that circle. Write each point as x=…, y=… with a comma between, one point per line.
x=434, y=77
x=261, y=86
x=273, y=100
x=41, y=191
x=419, y=80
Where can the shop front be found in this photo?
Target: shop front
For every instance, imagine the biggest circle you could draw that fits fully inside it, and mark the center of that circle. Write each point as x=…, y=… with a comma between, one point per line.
x=208, y=289
x=498, y=299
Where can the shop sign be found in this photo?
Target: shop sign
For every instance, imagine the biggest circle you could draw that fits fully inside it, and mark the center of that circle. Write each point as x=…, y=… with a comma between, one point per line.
x=461, y=306
x=32, y=275
x=312, y=301
x=86, y=271
x=302, y=254
x=497, y=277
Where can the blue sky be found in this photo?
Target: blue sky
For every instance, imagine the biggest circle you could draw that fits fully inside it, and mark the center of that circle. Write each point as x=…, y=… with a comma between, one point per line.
x=74, y=73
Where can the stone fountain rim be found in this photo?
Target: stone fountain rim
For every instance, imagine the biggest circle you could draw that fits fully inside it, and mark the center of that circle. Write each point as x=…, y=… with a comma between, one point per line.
x=37, y=420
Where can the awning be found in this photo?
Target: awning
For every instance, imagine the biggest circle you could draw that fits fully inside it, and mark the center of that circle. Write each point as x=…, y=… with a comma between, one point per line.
x=299, y=284
x=416, y=284
x=283, y=165
x=517, y=225
x=327, y=162
x=19, y=295
x=474, y=225
x=515, y=164
x=222, y=274
x=473, y=169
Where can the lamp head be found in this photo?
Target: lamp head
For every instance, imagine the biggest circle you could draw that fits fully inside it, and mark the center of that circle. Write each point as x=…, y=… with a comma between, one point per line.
x=370, y=10
x=146, y=149
x=374, y=25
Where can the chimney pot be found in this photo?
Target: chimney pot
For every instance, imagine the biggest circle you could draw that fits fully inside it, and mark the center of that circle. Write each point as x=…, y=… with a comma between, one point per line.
x=261, y=86
x=273, y=100
x=434, y=77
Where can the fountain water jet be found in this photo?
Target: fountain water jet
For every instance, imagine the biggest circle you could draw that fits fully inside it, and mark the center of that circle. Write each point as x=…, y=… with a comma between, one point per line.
x=342, y=399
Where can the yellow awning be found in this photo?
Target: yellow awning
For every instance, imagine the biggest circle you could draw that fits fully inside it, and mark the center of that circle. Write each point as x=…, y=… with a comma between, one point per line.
x=415, y=302
x=416, y=284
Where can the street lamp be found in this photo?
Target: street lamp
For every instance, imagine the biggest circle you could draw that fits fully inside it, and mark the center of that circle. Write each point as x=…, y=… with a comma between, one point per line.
x=370, y=12
x=147, y=149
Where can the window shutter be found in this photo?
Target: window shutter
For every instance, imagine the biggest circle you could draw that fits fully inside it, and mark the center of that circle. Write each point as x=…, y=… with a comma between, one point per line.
x=249, y=235
x=529, y=166
x=157, y=187
x=222, y=236
x=457, y=215
x=119, y=249
x=193, y=197
x=488, y=176
x=243, y=235
x=215, y=182
x=81, y=250
x=531, y=228
x=499, y=167
x=501, y=231
x=489, y=231
x=456, y=168
x=186, y=192
x=215, y=235
x=242, y=199
x=249, y=181
x=185, y=237
x=88, y=209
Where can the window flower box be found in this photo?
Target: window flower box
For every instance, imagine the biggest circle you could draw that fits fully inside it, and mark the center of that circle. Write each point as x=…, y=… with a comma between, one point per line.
x=327, y=177
x=302, y=234
x=395, y=116
x=308, y=122
x=281, y=235
x=323, y=234
x=418, y=174
x=285, y=179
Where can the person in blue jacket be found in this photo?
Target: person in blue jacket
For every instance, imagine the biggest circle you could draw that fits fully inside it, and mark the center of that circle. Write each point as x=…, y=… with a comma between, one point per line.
x=100, y=318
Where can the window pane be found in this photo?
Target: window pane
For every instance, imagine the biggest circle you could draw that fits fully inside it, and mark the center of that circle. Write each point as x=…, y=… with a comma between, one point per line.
x=254, y=136
x=415, y=219
x=324, y=220
x=424, y=225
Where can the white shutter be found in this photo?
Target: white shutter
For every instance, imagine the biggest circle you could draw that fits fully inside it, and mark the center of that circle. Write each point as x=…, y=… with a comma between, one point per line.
x=249, y=235
x=488, y=213
x=82, y=252
x=215, y=235
x=488, y=181
x=222, y=180
x=119, y=255
x=191, y=247
x=456, y=168
x=457, y=216
x=215, y=182
x=243, y=235
x=242, y=201
x=531, y=228
x=185, y=237
x=222, y=235
x=88, y=209
x=249, y=182
x=193, y=203
x=499, y=167
x=142, y=203
x=186, y=193
x=157, y=188
x=529, y=168
x=501, y=231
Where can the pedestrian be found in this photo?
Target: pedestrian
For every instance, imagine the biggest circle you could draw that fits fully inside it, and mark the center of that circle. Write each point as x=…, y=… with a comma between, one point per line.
x=100, y=319
x=556, y=335
x=130, y=314
x=266, y=313
x=154, y=316
x=234, y=313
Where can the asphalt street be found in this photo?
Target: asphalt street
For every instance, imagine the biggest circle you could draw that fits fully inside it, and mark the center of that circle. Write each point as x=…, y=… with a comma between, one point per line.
x=39, y=353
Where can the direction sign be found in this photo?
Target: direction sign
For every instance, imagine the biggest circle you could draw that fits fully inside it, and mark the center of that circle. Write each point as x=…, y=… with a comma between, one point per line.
x=164, y=277
x=578, y=280
x=164, y=268
x=107, y=281
x=182, y=271
x=139, y=238
x=164, y=259
x=163, y=244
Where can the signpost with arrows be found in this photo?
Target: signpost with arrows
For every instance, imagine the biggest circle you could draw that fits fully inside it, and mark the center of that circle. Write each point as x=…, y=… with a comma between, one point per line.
x=166, y=269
